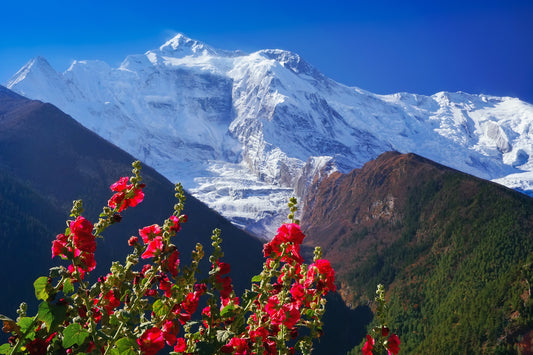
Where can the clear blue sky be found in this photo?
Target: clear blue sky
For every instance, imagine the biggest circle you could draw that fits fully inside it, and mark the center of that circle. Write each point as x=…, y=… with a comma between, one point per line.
x=383, y=46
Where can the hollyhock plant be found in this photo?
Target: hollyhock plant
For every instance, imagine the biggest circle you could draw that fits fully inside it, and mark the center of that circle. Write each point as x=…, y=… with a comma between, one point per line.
x=139, y=308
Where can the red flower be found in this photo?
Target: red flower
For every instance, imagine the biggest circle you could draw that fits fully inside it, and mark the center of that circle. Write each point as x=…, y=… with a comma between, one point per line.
x=112, y=302
x=154, y=247
x=83, y=238
x=326, y=281
x=120, y=185
x=172, y=263
x=132, y=241
x=236, y=346
x=393, y=344
x=126, y=195
x=59, y=246
x=181, y=345
x=150, y=232
x=151, y=341
x=291, y=232
x=176, y=226
x=369, y=345
x=171, y=329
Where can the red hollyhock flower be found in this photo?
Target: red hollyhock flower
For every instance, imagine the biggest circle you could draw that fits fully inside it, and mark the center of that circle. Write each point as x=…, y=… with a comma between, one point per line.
x=112, y=302
x=291, y=232
x=238, y=346
x=369, y=345
x=393, y=344
x=154, y=247
x=323, y=267
x=123, y=189
x=181, y=345
x=120, y=185
x=83, y=238
x=151, y=341
x=171, y=329
x=172, y=263
x=176, y=226
x=132, y=241
x=224, y=268
x=59, y=246
x=150, y=232
x=166, y=286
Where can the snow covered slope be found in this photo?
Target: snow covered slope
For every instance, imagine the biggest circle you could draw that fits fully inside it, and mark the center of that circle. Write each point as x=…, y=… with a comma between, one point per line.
x=243, y=132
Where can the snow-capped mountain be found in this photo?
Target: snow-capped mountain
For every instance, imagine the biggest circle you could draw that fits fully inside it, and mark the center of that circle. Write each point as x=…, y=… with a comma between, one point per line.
x=243, y=132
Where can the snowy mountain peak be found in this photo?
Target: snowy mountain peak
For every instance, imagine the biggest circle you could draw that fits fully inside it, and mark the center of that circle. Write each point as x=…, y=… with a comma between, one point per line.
x=244, y=132
x=36, y=67
x=291, y=61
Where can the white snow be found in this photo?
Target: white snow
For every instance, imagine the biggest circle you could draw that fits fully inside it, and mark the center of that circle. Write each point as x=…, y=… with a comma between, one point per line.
x=244, y=132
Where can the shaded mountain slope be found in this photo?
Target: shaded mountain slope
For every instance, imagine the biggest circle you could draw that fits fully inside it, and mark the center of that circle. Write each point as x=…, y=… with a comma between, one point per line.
x=453, y=251
x=47, y=160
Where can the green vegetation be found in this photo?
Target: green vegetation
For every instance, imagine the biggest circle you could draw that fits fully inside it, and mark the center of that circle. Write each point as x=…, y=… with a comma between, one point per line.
x=460, y=274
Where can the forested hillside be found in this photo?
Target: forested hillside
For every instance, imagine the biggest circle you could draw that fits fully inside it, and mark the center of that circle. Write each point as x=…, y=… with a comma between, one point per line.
x=454, y=252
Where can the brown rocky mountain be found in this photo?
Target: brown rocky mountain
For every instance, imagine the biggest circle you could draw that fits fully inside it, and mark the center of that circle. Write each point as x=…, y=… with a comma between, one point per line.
x=454, y=251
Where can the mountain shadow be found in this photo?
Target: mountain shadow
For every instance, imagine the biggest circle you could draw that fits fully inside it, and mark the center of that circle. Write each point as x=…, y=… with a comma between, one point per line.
x=47, y=160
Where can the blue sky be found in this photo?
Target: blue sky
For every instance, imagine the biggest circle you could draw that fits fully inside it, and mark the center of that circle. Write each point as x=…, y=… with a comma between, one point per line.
x=383, y=46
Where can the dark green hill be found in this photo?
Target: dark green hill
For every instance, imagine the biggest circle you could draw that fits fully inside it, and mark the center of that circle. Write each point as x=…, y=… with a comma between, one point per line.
x=454, y=252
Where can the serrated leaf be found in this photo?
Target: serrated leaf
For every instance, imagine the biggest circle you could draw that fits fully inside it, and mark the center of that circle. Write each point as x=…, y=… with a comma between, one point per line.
x=68, y=287
x=256, y=278
x=40, y=288
x=74, y=334
x=5, y=348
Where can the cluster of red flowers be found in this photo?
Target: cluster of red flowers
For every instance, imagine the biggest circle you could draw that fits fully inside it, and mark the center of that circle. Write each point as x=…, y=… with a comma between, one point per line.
x=126, y=195
x=307, y=286
x=78, y=243
x=392, y=344
x=289, y=296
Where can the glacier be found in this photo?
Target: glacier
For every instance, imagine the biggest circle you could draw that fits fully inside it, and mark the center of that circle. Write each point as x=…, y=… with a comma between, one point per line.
x=245, y=131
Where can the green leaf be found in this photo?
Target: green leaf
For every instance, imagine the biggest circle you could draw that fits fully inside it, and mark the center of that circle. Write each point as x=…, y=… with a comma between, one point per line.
x=74, y=334
x=25, y=323
x=160, y=308
x=67, y=287
x=227, y=311
x=40, y=288
x=126, y=346
x=256, y=278
x=51, y=314
x=5, y=348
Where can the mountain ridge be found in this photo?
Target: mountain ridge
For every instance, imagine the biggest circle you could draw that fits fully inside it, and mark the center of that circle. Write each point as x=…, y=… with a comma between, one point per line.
x=453, y=251
x=251, y=130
